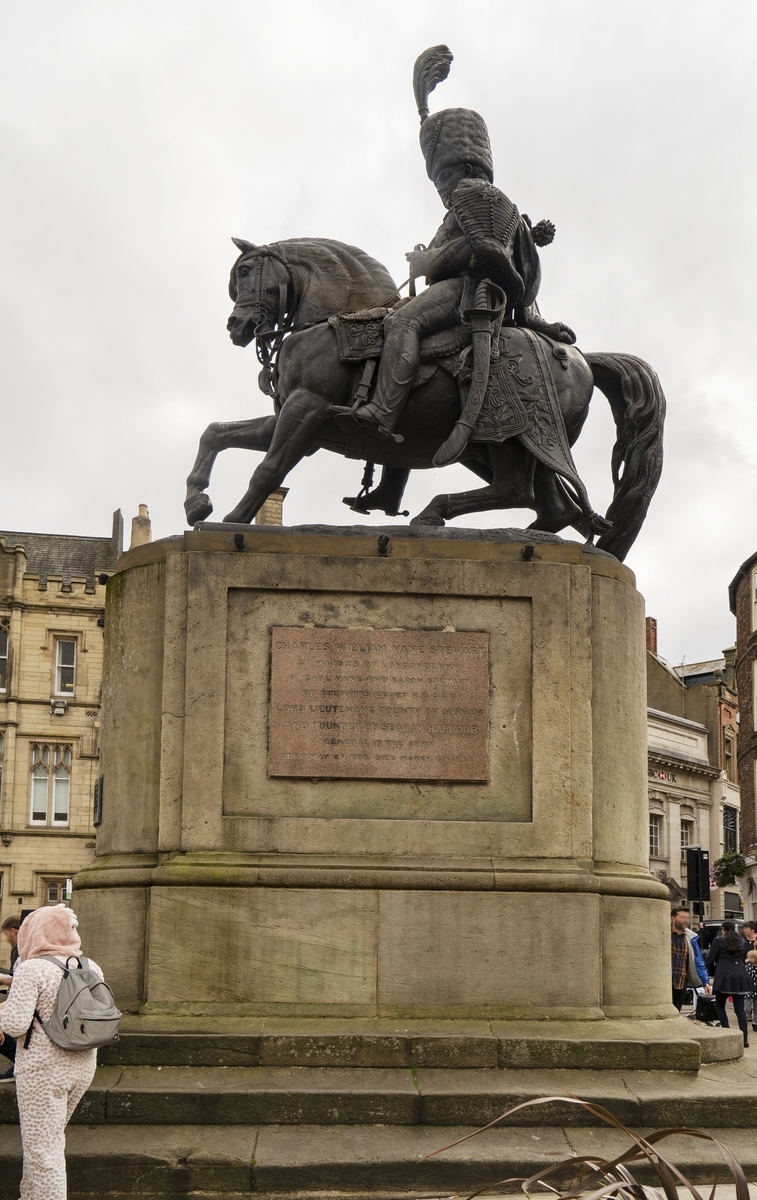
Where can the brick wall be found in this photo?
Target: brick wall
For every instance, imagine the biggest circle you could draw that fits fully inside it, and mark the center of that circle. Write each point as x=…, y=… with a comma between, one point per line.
x=746, y=652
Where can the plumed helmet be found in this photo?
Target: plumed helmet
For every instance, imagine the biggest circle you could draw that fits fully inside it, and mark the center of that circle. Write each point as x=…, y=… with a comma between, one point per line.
x=454, y=135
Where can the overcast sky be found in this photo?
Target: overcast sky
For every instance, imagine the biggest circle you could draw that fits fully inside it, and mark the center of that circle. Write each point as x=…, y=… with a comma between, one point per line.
x=138, y=137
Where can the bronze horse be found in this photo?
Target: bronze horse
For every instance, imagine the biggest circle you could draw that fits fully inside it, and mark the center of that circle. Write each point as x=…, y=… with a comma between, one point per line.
x=284, y=294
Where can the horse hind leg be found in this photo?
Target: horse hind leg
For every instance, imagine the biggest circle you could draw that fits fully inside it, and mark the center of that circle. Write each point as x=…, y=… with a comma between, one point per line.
x=255, y=434
x=511, y=487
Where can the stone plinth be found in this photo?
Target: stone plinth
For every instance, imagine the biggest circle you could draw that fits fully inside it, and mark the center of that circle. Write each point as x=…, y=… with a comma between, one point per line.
x=515, y=885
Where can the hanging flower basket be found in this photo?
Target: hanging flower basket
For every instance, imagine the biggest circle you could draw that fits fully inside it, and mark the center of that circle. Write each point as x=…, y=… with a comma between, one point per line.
x=727, y=869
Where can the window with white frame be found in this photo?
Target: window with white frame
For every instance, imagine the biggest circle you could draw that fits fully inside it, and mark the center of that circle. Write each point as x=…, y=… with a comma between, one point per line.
x=50, y=783
x=729, y=754
x=687, y=834
x=655, y=835
x=65, y=666
x=3, y=658
x=2, y=759
x=54, y=891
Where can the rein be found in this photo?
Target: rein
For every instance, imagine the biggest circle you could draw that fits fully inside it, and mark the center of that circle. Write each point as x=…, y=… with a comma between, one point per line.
x=268, y=341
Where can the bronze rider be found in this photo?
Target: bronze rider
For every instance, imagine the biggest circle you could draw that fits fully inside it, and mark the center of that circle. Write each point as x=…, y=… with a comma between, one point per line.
x=483, y=235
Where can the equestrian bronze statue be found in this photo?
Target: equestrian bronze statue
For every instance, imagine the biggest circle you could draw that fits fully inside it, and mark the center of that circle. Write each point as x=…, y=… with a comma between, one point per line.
x=468, y=370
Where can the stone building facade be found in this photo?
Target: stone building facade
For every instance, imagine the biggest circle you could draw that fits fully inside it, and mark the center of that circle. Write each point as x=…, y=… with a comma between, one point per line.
x=694, y=794
x=51, y=648
x=743, y=598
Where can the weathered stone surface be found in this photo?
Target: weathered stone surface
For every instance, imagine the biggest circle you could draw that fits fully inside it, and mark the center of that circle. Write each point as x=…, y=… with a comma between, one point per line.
x=504, y=788
x=241, y=1162
x=443, y=952
x=677, y=1044
x=289, y=1095
x=309, y=949
x=369, y=897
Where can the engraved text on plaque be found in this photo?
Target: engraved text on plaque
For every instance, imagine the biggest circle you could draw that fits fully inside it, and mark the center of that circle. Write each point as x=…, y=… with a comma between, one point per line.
x=379, y=704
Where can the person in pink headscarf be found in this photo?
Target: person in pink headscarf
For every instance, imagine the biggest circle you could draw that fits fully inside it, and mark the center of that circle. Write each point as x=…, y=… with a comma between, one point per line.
x=50, y=1081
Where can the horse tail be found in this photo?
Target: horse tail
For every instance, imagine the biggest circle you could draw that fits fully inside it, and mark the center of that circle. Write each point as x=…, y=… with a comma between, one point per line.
x=638, y=407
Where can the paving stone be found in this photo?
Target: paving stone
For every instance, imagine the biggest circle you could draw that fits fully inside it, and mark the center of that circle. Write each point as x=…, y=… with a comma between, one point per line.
x=477, y=1097
x=375, y=1159
x=304, y=1162
x=186, y=1050
x=290, y=1095
x=144, y=1160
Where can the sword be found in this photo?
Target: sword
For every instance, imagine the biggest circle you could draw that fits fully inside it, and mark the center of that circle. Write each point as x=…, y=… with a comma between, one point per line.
x=482, y=320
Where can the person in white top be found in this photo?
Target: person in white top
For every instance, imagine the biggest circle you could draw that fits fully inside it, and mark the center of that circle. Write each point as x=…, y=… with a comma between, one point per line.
x=50, y=1081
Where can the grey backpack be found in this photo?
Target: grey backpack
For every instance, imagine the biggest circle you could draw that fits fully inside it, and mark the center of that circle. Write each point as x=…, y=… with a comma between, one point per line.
x=85, y=1014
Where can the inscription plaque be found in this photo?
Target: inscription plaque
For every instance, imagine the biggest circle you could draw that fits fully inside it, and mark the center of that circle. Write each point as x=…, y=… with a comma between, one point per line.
x=379, y=704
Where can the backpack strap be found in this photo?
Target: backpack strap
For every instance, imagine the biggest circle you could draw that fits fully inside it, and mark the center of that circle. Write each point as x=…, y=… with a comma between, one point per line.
x=28, y=1037
x=81, y=963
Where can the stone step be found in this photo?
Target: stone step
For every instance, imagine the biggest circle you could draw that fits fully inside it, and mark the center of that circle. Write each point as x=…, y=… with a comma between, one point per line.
x=677, y=1044
x=722, y=1094
x=241, y=1162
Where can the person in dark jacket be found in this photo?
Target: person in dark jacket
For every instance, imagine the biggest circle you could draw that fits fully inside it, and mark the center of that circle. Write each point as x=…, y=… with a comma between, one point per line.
x=9, y=930
x=727, y=961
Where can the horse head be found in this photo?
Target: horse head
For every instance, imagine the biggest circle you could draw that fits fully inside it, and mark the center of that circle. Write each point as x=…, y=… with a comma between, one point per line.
x=260, y=287
x=301, y=281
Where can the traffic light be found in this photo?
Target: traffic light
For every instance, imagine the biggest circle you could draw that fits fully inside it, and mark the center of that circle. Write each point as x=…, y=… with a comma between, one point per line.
x=697, y=877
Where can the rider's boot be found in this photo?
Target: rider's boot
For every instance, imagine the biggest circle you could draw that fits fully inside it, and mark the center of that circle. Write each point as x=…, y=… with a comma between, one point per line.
x=387, y=496
x=397, y=370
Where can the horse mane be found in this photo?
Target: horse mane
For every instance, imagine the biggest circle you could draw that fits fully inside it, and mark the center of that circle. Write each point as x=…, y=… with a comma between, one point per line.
x=330, y=277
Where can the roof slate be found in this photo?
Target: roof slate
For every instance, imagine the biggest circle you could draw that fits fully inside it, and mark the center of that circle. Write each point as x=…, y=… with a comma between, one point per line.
x=63, y=554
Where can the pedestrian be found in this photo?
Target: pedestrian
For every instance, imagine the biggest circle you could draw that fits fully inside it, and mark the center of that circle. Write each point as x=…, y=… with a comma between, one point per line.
x=726, y=959
x=751, y=970
x=50, y=1081
x=749, y=931
x=687, y=965
x=9, y=930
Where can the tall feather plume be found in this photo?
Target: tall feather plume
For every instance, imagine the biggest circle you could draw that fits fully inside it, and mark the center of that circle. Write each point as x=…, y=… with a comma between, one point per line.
x=430, y=68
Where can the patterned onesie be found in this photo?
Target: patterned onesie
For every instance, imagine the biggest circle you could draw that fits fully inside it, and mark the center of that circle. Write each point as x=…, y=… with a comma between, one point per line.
x=751, y=1000
x=50, y=1082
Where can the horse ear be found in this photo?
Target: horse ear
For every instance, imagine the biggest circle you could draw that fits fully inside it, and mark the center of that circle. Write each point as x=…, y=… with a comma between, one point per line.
x=243, y=245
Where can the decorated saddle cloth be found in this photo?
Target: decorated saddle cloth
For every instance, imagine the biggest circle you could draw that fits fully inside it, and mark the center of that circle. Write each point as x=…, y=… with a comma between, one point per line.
x=360, y=335
x=521, y=396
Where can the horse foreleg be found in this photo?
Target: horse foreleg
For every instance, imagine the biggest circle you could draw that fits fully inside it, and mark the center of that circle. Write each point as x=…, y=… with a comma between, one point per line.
x=511, y=487
x=297, y=431
x=255, y=434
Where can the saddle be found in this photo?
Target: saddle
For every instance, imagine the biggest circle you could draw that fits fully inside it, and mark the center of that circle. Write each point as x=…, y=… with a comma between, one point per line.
x=521, y=398
x=360, y=336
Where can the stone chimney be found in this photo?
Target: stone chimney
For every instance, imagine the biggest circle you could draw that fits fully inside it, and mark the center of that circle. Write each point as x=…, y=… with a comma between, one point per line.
x=272, y=512
x=651, y=635
x=117, y=536
x=729, y=675
x=141, y=529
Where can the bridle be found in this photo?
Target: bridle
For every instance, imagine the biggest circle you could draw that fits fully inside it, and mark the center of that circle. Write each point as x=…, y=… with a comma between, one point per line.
x=268, y=273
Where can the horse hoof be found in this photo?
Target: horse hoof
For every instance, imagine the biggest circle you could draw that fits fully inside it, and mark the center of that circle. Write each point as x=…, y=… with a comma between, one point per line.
x=428, y=519
x=198, y=508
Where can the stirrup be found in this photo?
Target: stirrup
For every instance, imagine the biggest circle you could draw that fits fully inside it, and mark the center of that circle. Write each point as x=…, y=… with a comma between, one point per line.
x=351, y=420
